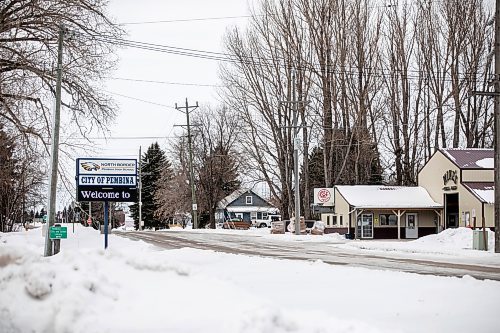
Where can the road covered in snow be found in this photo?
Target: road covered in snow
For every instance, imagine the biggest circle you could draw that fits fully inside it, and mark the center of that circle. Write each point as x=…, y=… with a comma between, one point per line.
x=135, y=286
x=447, y=254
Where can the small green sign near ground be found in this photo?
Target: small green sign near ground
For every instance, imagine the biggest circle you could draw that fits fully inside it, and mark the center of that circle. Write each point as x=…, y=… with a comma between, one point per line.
x=58, y=232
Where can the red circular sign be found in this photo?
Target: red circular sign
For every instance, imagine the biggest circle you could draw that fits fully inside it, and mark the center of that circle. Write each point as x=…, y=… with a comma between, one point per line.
x=324, y=195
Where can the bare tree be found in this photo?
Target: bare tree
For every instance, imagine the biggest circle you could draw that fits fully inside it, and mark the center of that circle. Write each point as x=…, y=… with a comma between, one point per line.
x=28, y=56
x=217, y=159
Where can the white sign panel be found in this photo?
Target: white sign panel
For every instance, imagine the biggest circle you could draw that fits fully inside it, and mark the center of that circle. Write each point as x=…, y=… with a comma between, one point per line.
x=323, y=196
x=112, y=181
x=107, y=166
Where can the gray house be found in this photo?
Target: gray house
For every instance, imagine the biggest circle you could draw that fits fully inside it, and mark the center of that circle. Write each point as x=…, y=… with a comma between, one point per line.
x=245, y=204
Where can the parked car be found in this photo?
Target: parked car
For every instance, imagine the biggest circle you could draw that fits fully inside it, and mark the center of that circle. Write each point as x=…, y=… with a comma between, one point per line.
x=266, y=223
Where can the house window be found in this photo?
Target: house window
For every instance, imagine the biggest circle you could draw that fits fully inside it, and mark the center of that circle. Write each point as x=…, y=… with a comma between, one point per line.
x=253, y=215
x=388, y=219
x=248, y=199
x=334, y=218
x=340, y=220
x=264, y=216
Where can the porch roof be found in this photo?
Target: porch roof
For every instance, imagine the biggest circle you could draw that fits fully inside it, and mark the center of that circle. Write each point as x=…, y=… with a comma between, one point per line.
x=484, y=191
x=387, y=197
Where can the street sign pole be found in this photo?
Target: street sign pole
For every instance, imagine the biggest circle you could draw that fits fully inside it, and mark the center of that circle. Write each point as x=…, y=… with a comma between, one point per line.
x=106, y=208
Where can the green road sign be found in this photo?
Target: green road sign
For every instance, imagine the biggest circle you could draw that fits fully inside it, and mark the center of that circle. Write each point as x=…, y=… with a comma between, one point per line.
x=58, y=232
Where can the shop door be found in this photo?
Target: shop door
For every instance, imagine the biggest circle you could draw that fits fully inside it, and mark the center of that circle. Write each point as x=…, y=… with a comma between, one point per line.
x=451, y=210
x=411, y=225
x=365, y=226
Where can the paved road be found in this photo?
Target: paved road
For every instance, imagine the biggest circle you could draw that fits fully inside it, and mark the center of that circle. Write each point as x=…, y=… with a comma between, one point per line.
x=326, y=251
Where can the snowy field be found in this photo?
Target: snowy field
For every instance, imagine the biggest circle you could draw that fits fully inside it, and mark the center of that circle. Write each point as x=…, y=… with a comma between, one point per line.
x=135, y=287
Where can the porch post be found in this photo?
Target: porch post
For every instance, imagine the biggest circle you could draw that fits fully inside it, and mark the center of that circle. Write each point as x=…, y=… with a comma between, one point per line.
x=355, y=224
x=439, y=214
x=399, y=224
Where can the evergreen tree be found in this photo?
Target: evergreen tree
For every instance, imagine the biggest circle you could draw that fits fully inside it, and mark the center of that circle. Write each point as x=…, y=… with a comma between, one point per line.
x=218, y=177
x=316, y=169
x=8, y=181
x=153, y=163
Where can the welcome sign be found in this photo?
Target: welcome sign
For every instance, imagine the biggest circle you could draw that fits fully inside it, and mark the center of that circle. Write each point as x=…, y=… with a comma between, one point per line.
x=106, y=179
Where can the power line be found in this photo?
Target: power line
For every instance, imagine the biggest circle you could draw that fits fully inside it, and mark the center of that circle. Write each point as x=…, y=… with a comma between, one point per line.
x=244, y=59
x=121, y=138
x=139, y=99
x=166, y=82
x=187, y=20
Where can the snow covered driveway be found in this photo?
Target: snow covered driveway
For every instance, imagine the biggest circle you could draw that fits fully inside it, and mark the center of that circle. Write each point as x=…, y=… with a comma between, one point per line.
x=415, y=256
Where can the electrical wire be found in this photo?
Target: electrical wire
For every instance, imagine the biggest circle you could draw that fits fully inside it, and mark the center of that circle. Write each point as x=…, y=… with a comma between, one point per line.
x=139, y=99
x=258, y=61
x=165, y=82
x=187, y=20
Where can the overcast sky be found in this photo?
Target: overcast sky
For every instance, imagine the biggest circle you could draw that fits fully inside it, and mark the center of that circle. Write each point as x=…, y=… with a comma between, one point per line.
x=197, y=24
x=139, y=119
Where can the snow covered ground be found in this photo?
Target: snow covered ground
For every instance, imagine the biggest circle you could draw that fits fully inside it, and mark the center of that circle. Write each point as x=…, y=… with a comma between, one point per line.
x=135, y=287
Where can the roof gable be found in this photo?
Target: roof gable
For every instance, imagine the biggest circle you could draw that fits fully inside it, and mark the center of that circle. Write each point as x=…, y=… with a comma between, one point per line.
x=470, y=158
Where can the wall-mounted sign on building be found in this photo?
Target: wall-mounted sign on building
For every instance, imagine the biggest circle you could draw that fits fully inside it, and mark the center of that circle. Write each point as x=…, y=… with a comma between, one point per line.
x=450, y=175
x=323, y=196
x=106, y=179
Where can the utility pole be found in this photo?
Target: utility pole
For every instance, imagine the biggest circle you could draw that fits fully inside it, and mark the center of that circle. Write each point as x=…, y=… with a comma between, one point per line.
x=55, y=147
x=296, y=144
x=497, y=126
x=140, y=189
x=194, y=206
x=496, y=95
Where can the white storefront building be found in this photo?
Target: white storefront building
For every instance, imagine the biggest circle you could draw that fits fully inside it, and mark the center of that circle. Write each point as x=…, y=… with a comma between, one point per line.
x=455, y=188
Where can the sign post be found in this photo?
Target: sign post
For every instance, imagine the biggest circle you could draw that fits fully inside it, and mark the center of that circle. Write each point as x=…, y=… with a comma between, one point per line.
x=106, y=208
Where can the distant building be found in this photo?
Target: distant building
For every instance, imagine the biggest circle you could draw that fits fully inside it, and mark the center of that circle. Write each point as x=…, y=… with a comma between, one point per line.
x=245, y=204
x=456, y=189
x=462, y=180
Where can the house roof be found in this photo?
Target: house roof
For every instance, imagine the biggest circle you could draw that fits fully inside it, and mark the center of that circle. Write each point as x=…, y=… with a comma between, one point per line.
x=470, y=158
x=377, y=196
x=484, y=191
x=224, y=203
x=231, y=197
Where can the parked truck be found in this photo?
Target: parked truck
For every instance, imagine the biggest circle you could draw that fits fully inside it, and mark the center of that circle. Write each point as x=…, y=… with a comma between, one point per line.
x=266, y=223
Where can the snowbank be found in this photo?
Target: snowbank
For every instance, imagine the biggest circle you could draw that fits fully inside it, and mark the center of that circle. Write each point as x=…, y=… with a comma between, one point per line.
x=456, y=242
x=135, y=287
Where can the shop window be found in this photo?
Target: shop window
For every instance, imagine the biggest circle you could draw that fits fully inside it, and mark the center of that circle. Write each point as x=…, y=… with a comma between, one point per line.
x=388, y=219
x=248, y=200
